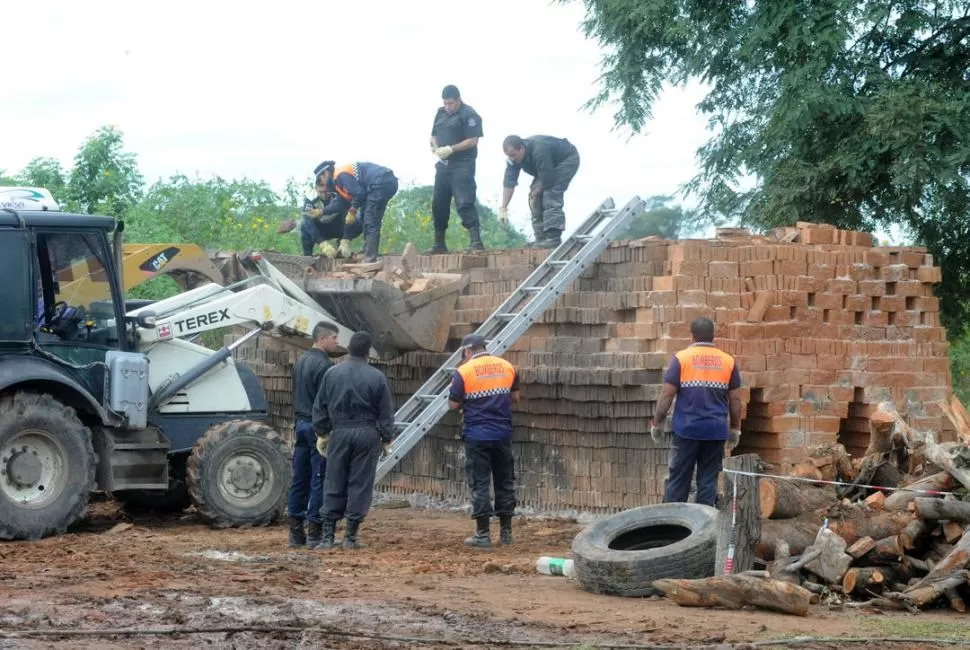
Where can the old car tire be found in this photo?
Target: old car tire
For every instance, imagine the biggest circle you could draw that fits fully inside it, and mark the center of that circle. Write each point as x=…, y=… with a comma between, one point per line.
x=46, y=466
x=239, y=474
x=624, y=553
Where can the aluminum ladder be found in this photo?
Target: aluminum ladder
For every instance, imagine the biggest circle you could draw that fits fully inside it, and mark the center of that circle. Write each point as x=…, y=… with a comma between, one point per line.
x=511, y=320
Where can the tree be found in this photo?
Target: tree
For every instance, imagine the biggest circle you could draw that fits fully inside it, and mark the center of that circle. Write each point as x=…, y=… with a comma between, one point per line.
x=48, y=174
x=851, y=112
x=105, y=178
x=661, y=220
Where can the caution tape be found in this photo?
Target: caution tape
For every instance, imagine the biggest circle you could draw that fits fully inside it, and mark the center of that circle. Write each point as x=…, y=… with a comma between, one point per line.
x=845, y=483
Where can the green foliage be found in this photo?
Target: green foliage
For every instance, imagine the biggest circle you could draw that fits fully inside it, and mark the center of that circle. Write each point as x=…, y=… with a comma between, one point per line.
x=661, y=219
x=851, y=112
x=158, y=288
x=105, y=178
x=48, y=174
x=960, y=365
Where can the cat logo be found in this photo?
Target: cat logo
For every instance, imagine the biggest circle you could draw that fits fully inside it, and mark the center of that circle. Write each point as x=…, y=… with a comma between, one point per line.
x=157, y=262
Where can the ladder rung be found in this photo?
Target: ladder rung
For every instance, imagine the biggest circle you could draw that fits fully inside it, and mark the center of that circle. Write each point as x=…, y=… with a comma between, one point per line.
x=426, y=396
x=532, y=289
x=584, y=237
x=558, y=262
x=506, y=316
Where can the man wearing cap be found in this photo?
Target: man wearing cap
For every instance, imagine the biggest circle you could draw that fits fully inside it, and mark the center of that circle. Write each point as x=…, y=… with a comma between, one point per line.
x=353, y=416
x=454, y=140
x=363, y=190
x=552, y=162
x=484, y=387
x=706, y=383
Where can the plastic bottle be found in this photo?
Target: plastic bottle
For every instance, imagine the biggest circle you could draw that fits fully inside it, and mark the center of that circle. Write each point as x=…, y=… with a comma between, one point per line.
x=554, y=566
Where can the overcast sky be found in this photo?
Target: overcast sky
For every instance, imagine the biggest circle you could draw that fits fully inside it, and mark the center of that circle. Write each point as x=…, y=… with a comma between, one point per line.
x=267, y=92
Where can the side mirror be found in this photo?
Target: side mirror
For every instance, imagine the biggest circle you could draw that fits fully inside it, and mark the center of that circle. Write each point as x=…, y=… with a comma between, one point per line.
x=144, y=319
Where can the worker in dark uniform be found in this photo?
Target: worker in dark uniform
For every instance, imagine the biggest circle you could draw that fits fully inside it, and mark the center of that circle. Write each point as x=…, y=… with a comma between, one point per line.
x=309, y=468
x=354, y=414
x=363, y=190
x=325, y=221
x=454, y=140
x=552, y=162
x=706, y=383
x=485, y=387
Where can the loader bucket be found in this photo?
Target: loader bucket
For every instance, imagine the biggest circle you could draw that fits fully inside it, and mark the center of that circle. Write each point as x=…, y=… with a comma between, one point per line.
x=399, y=322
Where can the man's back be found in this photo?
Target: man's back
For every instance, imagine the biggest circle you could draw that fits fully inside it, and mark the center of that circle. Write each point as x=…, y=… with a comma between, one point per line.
x=307, y=375
x=485, y=384
x=356, y=392
x=703, y=375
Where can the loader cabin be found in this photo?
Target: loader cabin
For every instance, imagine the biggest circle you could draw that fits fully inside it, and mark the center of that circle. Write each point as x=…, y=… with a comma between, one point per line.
x=61, y=286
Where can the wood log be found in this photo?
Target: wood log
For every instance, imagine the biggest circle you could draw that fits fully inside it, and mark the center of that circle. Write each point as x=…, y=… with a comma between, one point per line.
x=810, y=471
x=956, y=602
x=939, y=482
x=948, y=573
x=934, y=509
x=736, y=592
x=958, y=416
x=913, y=536
x=952, y=531
x=851, y=525
x=938, y=551
x=876, y=500
x=776, y=570
x=860, y=547
x=782, y=499
x=865, y=581
x=881, y=427
x=831, y=561
x=939, y=456
x=887, y=475
x=747, y=531
x=902, y=432
x=887, y=551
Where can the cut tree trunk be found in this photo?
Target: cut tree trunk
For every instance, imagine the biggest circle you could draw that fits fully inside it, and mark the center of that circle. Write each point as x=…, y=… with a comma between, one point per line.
x=864, y=581
x=940, y=457
x=747, y=528
x=881, y=427
x=855, y=523
x=934, y=509
x=914, y=535
x=887, y=551
x=782, y=499
x=900, y=499
x=948, y=573
x=831, y=561
x=860, y=547
x=736, y=592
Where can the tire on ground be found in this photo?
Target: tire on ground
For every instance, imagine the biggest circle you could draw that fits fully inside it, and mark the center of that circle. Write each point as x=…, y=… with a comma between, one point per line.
x=48, y=466
x=624, y=553
x=176, y=499
x=239, y=474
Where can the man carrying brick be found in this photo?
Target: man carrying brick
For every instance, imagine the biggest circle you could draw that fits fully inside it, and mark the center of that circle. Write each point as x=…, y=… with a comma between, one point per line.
x=484, y=387
x=706, y=383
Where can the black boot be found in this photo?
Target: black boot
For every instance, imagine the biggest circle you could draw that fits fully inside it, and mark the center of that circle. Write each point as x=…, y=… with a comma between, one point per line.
x=371, y=243
x=328, y=529
x=482, y=537
x=552, y=239
x=505, y=529
x=350, y=535
x=439, y=247
x=314, y=534
x=475, y=239
x=297, y=534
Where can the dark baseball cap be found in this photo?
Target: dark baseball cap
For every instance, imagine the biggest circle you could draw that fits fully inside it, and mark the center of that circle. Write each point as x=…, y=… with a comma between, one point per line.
x=473, y=341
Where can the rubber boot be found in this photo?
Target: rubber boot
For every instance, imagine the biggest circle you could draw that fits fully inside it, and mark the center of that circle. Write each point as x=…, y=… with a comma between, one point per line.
x=552, y=239
x=328, y=528
x=482, y=537
x=297, y=534
x=350, y=536
x=475, y=240
x=306, y=244
x=344, y=249
x=505, y=529
x=371, y=243
x=439, y=248
x=314, y=534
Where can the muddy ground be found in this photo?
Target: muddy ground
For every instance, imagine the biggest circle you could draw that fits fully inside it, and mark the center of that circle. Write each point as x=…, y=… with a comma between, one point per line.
x=416, y=585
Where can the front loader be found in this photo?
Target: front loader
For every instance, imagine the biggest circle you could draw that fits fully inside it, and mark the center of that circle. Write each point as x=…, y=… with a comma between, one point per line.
x=97, y=394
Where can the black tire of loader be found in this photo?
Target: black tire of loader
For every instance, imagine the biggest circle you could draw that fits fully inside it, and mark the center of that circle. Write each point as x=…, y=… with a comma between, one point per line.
x=210, y=450
x=672, y=540
x=41, y=411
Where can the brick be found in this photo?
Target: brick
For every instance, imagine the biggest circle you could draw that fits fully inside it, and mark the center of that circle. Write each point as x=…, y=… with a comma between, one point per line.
x=872, y=287
x=929, y=274
x=894, y=273
x=723, y=269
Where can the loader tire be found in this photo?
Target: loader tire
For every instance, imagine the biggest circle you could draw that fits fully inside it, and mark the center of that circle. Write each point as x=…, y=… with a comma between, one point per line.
x=46, y=466
x=623, y=554
x=239, y=475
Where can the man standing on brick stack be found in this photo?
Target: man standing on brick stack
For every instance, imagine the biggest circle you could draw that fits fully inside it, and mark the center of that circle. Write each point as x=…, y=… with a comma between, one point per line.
x=485, y=387
x=706, y=383
x=354, y=417
x=309, y=467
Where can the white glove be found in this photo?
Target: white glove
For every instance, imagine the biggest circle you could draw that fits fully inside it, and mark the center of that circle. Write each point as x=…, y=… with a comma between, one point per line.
x=657, y=433
x=503, y=214
x=322, y=444
x=733, y=438
x=328, y=249
x=443, y=152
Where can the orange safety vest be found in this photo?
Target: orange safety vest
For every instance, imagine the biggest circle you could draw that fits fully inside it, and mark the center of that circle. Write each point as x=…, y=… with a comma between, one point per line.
x=345, y=169
x=703, y=366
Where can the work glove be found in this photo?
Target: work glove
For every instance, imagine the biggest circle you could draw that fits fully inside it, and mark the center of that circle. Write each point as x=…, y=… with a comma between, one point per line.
x=657, y=433
x=314, y=213
x=386, y=449
x=443, y=152
x=328, y=249
x=733, y=438
x=286, y=226
x=351, y=217
x=322, y=444
x=503, y=214
x=344, y=249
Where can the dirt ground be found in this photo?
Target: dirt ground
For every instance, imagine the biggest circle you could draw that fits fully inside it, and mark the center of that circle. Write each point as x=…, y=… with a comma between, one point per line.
x=415, y=585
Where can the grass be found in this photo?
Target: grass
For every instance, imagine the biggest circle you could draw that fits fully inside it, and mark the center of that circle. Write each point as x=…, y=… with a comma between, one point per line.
x=915, y=628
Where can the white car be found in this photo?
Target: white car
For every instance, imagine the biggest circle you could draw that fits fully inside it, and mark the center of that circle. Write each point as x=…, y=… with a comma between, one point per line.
x=27, y=198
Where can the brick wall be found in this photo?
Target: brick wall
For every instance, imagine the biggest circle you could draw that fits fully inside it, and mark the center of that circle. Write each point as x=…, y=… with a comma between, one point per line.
x=823, y=327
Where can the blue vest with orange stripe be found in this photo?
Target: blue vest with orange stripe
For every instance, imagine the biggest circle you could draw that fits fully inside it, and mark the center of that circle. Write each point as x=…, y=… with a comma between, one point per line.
x=703, y=376
x=483, y=386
